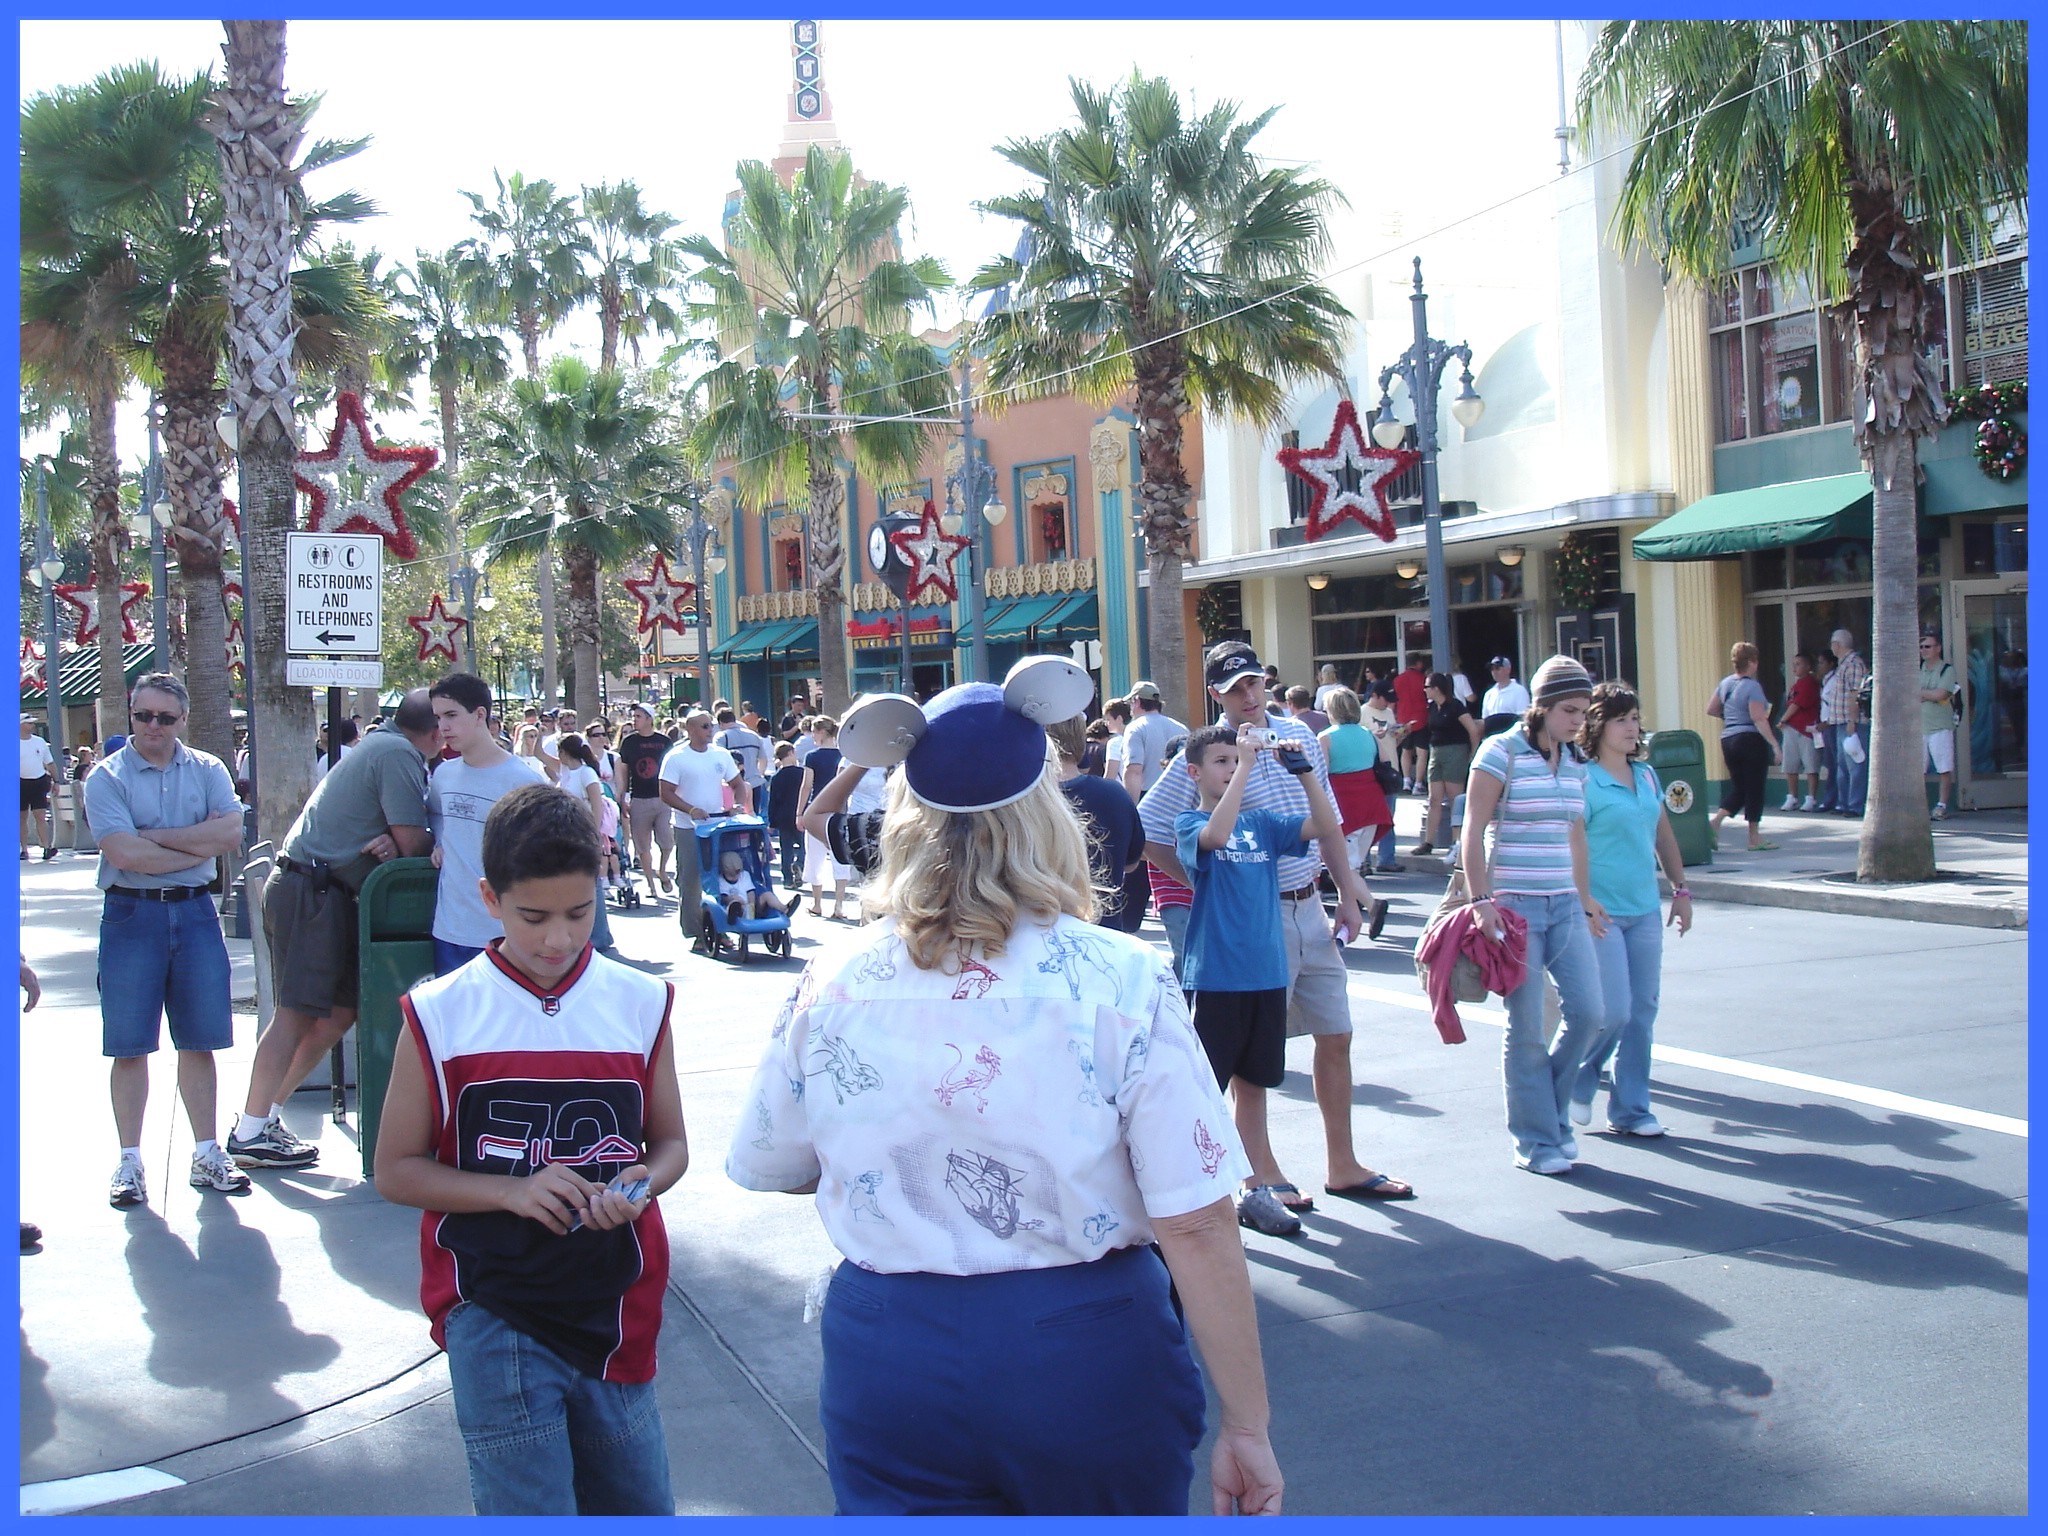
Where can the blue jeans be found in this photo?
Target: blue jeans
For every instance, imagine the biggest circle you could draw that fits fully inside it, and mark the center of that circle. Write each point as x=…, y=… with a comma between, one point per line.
x=543, y=1438
x=1631, y=959
x=451, y=957
x=158, y=960
x=1062, y=1391
x=1848, y=782
x=601, y=929
x=1538, y=1082
x=1174, y=919
x=789, y=842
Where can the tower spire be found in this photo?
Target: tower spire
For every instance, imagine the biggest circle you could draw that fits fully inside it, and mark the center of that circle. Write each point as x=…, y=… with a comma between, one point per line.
x=810, y=108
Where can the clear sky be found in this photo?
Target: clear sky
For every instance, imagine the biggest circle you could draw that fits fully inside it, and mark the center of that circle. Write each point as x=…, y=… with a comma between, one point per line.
x=1407, y=118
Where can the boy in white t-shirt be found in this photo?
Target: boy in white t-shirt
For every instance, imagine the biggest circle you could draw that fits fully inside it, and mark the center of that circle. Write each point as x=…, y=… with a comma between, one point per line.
x=460, y=795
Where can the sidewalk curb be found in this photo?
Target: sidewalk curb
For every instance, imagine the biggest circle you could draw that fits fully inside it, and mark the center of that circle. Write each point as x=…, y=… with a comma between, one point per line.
x=1815, y=896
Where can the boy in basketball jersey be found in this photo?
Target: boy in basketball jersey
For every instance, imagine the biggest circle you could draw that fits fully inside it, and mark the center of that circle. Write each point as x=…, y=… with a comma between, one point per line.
x=533, y=1115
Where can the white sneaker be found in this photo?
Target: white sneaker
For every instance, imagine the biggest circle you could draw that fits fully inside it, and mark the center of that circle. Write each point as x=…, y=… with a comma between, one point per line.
x=1791, y=803
x=1569, y=1146
x=1582, y=1114
x=1646, y=1127
x=1548, y=1163
x=1807, y=804
x=1941, y=810
x=128, y=1186
x=216, y=1170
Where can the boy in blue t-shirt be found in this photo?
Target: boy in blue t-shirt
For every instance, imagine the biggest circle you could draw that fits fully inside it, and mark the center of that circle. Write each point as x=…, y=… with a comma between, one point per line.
x=1235, y=961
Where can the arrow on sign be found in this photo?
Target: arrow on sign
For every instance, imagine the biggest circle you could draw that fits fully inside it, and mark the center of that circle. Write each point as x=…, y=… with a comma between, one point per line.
x=328, y=639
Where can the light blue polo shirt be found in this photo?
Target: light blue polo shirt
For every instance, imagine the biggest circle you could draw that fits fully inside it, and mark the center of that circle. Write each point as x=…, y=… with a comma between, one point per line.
x=1621, y=839
x=126, y=792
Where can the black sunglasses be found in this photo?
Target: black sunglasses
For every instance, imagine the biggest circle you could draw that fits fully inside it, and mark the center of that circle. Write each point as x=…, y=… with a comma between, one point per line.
x=154, y=717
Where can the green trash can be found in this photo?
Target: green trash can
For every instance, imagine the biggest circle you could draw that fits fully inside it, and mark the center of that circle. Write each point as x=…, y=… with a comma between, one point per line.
x=395, y=939
x=1680, y=758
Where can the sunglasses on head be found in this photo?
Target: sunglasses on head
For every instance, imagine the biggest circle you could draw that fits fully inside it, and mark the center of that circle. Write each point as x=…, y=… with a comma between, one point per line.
x=154, y=717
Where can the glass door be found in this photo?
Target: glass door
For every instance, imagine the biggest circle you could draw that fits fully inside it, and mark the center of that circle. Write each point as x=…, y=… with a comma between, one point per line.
x=1412, y=628
x=1992, y=749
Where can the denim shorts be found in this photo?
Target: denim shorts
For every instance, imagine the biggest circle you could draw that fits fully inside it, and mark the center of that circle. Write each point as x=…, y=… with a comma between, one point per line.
x=542, y=1438
x=163, y=959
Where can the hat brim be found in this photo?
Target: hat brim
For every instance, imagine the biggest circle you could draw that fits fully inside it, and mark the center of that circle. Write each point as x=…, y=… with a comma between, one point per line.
x=1237, y=677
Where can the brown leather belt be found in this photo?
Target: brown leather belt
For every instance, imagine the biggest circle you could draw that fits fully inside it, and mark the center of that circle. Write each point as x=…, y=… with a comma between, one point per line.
x=1301, y=895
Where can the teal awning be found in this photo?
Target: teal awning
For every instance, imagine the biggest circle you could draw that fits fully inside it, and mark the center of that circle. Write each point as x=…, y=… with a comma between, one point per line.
x=1768, y=517
x=990, y=617
x=751, y=642
x=78, y=674
x=1075, y=612
x=801, y=639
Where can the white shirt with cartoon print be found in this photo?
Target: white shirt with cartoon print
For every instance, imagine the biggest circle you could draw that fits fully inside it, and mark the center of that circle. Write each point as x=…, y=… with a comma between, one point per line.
x=1025, y=1111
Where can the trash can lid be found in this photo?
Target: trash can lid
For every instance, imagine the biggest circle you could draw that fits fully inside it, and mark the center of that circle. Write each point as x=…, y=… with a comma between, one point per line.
x=1676, y=748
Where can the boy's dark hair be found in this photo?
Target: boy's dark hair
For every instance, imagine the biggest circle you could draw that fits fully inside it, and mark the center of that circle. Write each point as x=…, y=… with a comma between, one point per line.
x=784, y=749
x=536, y=833
x=1199, y=742
x=1121, y=708
x=725, y=716
x=469, y=692
x=347, y=733
x=1300, y=697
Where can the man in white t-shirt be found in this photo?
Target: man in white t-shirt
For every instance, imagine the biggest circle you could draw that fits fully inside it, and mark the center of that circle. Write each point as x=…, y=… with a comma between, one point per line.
x=38, y=774
x=1154, y=736
x=1506, y=701
x=460, y=795
x=551, y=743
x=1326, y=684
x=694, y=777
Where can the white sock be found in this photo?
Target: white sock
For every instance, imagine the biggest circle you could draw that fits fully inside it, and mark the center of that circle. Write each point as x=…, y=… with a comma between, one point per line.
x=205, y=1148
x=277, y=1112
x=131, y=1154
x=249, y=1126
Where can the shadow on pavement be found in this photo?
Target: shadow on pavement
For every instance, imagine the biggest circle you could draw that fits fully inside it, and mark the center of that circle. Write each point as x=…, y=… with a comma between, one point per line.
x=1834, y=1125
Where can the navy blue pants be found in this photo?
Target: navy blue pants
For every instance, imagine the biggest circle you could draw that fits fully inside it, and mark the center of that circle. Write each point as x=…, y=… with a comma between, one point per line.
x=1066, y=1391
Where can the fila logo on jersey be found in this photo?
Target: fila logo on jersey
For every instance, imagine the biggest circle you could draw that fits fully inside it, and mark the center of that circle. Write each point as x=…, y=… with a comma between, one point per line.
x=530, y=1123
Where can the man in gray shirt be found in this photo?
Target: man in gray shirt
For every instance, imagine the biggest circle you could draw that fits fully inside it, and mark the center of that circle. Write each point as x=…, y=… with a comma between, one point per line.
x=371, y=807
x=162, y=814
x=1153, y=738
x=747, y=749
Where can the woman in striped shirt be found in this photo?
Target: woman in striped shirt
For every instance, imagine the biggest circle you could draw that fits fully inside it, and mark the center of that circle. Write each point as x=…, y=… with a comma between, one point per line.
x=1533, y=778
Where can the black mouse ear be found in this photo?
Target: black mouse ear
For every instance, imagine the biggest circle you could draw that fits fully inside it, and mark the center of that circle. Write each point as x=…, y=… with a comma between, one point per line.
x=880, y=729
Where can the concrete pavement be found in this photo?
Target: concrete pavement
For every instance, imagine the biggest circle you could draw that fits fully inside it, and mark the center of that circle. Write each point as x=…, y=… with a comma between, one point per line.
x=1809, y=1297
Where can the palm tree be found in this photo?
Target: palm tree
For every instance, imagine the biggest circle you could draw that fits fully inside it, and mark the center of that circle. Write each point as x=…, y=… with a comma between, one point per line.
x=527, y=270
x=635, y=269
x=1853, y=150
x=576, y=460
x=77, y=327
x=1162, y=256
x=812, y=304
x=440, y=338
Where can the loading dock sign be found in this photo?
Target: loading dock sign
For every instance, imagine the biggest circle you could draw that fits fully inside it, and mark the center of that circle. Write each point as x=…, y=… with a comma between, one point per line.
x=335, y=597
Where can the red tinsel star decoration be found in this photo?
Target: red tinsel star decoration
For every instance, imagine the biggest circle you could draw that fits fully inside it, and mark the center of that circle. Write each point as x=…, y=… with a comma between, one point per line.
x=31, y=664
x=336, y=506
x=663, y=599
x=81, y=600
x=437, y=630
x=1350, y=476
x=930, y=552
x=235, y=648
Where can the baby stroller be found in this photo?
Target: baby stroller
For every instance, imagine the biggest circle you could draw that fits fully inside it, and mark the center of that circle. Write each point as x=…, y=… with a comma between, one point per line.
x=736, y=847
x=626, y=893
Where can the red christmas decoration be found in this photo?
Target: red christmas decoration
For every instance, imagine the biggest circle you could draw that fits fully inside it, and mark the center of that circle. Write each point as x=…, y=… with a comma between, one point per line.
x=334, y=506
x=664, y=601
x=235, y=649
x=437, y=630
x=1350, y=476
x=930, y=552
x=31, y=664
x=80, y=600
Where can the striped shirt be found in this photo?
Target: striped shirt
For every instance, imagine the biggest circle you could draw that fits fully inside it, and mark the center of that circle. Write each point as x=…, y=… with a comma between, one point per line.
x=1271, y=788
x=1532, y=851
x=1838, y=693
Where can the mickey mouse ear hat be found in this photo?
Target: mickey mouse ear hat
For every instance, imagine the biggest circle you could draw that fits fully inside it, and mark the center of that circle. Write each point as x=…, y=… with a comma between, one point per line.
x=975, y=747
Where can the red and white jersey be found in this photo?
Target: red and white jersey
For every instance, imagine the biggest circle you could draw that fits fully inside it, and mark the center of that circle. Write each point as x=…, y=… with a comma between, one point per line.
x=522, y=1077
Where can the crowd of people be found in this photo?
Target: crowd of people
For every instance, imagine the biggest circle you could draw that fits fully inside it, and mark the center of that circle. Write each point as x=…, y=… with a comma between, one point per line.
x=993, y=1152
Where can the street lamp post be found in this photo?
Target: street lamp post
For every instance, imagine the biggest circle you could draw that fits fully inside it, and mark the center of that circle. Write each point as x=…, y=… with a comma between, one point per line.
x=974, y=482
x=45, y=573
x=498, y=657
x=1421, y=368
x=698, y=530
x=466, y=574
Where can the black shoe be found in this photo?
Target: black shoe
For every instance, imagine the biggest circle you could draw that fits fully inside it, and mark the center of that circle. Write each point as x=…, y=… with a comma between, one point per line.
x=49, y=854
x=1420, y=849
x=1377, y=919
x=31, y=1234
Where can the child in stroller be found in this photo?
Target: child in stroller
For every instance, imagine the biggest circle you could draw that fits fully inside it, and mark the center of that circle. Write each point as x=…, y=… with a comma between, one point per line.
x=738, y=890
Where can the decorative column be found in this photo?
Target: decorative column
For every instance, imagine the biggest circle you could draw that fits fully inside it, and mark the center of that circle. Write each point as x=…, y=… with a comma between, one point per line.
x=1109, y=456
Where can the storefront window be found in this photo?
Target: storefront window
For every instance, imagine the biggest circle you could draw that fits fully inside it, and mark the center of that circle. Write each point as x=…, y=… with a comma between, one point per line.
x=1788, y=372
x=1831, y=563
x=1782, y=365
x=1361, y=594
x=1730, y=397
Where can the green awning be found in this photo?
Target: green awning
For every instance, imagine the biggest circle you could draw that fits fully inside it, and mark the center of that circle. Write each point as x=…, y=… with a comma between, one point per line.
x=751, y=642
x=801, y=639
x=78, y=674
x=990, y=616
x=1075, y=612
x=1769, y=517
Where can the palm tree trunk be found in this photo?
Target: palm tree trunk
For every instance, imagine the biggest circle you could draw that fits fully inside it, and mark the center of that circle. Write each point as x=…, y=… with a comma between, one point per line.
x=583, y=646
x=259, y=136
x=828, y=567
x=1163, y=495
x=529, y=343
x=199, y=531
x=109, y=543
x=1896, y=401
x=611, y=302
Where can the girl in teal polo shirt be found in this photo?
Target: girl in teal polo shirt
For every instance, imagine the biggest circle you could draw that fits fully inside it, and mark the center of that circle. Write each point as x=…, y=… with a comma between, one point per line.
x=1627, y=837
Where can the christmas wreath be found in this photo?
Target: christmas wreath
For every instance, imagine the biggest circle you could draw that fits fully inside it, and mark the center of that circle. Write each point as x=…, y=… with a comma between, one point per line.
x=1976, y=402
x=2001, y=447
x=1578, y=573
x=1210, y=614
